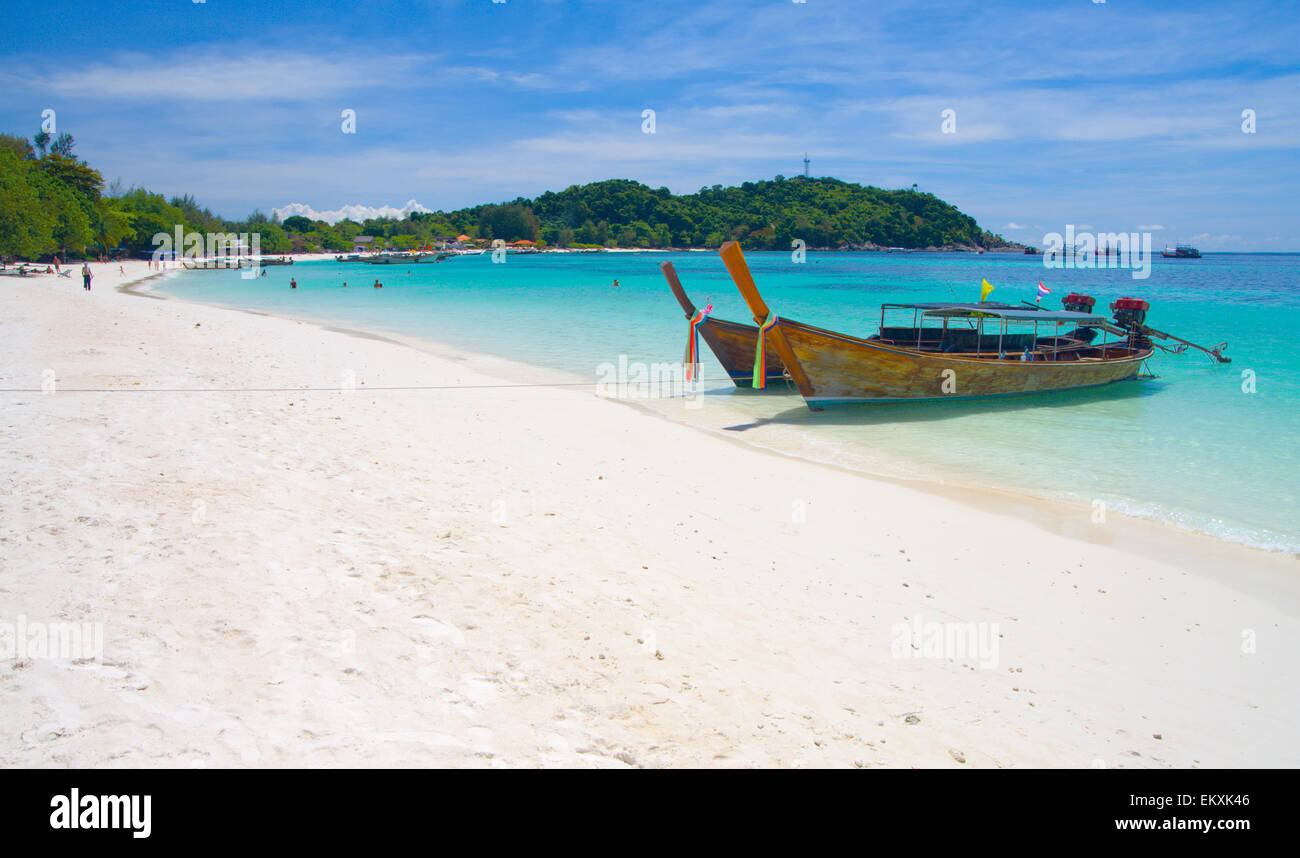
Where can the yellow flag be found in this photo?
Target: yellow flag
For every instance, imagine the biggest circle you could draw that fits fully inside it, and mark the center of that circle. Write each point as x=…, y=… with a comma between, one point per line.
x=985, y=289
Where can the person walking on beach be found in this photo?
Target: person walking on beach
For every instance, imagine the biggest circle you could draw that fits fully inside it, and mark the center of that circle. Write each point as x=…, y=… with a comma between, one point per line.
x=85, y=276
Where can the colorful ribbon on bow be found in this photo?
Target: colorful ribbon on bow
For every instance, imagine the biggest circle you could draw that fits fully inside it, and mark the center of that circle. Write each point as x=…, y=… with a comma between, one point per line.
x=692, y=359
x=760, y=355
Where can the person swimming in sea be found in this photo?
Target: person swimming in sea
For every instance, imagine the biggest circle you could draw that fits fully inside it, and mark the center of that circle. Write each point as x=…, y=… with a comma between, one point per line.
x=293, y=282
x=345, y=284
x=378, y=285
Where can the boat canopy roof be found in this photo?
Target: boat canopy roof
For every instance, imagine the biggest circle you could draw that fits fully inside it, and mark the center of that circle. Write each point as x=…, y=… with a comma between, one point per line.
x=1010, y=312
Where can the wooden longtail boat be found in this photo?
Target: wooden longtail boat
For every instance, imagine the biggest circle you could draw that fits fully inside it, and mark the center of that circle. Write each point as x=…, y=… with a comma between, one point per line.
x=970, y=351
x=733, y=343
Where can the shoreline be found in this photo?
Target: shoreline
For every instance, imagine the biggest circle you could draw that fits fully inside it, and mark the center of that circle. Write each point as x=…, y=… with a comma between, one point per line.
x=1056, y=515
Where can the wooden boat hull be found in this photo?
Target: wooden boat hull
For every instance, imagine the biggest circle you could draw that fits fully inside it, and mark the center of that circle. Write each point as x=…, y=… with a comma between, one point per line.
x=837, y=369
x=734, y=344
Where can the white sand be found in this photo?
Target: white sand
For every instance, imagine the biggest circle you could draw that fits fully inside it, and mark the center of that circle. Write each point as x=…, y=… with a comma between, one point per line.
x=522, y=577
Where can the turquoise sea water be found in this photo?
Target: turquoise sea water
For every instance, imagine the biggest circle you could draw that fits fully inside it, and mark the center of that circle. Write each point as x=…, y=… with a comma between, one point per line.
x=1191, y=447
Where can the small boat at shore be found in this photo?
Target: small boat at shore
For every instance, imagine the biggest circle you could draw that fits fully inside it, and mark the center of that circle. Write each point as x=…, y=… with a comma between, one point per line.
x=403, y=258
x=949, y=351
x=1181, y=251
x=283, y=260
x=733, y=343
x=216, y=262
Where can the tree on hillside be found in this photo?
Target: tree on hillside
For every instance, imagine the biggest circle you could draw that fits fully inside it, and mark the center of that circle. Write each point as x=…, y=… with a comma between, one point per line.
x=63, y=146
x=510, y=222
x=20, y=146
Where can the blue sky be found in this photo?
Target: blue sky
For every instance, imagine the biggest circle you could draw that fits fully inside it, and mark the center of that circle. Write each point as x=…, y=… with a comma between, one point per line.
x=1114, y=116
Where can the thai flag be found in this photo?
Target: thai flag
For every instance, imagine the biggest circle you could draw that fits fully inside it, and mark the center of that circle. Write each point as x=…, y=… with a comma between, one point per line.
x=1042, y=290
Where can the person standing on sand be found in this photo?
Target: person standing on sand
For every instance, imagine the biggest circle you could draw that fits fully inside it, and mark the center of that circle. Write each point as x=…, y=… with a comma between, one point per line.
x=85, y=275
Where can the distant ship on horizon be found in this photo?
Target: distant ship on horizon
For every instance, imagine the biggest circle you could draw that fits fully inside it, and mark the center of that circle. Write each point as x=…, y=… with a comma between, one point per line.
x=1181, y=251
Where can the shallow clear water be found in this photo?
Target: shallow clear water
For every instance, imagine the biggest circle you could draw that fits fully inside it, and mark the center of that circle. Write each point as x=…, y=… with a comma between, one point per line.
x=1190, y=447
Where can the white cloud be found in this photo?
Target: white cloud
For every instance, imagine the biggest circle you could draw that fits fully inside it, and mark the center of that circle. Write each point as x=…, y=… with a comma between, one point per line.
x=1205, y=238
x=1150, y=227
x=190, y=76
x=354, y=212
x=1013, y=225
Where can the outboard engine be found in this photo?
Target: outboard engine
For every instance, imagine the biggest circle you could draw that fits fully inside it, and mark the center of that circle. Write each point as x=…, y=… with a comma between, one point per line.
x=1076, y=303
x=1130, y=313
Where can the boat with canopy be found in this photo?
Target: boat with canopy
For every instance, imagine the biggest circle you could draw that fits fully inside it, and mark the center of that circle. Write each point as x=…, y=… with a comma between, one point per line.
x=954, y=350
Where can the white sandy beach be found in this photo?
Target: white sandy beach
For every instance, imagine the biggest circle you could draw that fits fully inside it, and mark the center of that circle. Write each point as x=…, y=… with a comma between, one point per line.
x=540, y=577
